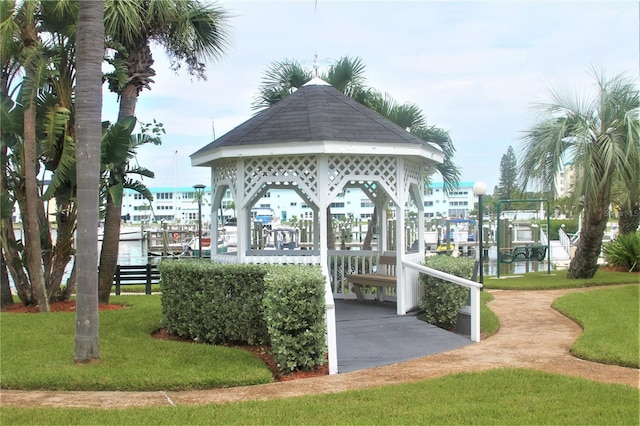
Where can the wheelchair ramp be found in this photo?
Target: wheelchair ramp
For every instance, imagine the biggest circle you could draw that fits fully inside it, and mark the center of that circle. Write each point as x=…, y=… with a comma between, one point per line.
x=370, y=334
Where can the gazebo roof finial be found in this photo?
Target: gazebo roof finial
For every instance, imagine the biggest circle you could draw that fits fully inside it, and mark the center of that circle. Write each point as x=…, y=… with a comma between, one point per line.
x=316, y=65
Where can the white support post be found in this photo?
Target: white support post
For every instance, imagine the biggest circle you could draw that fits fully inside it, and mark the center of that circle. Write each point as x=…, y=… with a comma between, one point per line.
x=243, y=235
x=420, y=202
x=217, y=193
x=330, y=313
x=475, y=314
x=401, y=197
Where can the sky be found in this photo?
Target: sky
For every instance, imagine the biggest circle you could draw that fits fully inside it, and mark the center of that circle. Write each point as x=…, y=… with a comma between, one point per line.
x=475, y=68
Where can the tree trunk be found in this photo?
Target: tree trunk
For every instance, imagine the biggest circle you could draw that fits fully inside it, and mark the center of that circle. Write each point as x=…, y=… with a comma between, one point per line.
x=109, y=252
x=594, y=221
x=629, y=219
x=90, y=50
x=13, y=262
x=33, y=250
x=111, y=236
x=368, y=238
x=6, y=298
x=128, y=101
x=62, y=252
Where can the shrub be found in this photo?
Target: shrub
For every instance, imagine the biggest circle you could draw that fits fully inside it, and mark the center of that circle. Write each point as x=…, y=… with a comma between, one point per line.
x=213, y=303
x=624, y=252
x=571, y=227
x=294, y=311
x=442, y=299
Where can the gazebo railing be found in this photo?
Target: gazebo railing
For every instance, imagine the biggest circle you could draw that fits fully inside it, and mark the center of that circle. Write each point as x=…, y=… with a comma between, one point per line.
x=342, y=262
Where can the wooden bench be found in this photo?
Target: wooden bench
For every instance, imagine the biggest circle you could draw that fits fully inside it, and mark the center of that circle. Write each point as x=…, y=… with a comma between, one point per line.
x=383, y=278
x=525, y=253
x=136, y=275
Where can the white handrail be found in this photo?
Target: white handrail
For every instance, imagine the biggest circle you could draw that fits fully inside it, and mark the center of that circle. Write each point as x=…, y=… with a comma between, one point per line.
x=565, y=241
x=473, y=286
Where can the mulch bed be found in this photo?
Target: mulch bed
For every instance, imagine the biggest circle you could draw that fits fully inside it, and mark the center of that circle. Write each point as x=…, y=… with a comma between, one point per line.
x=261, y=351
x=617, y=269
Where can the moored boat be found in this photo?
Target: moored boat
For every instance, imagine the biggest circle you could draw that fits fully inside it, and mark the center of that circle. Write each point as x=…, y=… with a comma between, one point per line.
x=127, y=233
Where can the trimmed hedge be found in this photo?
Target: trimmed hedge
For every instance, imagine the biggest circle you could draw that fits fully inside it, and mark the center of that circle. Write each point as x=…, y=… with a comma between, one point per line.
x=248, y=304
x=294, y=311
x=213, y=303
x=443, y=299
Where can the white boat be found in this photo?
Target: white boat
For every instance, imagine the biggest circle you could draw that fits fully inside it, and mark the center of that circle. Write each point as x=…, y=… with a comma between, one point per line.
x=127, y=233
x=193, y=248
x=282, y=237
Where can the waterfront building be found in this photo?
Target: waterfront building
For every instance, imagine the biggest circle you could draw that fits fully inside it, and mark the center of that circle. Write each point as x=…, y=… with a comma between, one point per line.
x=179, y=205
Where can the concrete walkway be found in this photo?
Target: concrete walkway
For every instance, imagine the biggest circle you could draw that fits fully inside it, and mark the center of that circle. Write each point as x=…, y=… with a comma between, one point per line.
x=532, y=335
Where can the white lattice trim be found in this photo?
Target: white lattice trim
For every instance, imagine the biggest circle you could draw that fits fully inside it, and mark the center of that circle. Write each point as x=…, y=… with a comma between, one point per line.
x=225, y=173
x=413, y=173
x=301, y=170
x=362, y=168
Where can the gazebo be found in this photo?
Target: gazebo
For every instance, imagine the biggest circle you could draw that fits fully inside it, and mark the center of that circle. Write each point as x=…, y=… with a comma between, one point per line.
x=318, y=142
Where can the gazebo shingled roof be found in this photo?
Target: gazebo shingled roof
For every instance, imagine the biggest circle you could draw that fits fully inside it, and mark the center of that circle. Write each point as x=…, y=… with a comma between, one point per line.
x=315, y=112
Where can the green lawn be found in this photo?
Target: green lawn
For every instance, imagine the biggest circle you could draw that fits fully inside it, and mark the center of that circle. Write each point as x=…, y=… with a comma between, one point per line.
x=557, y=280
x=506, y=396
x=37, y=353
x=609, y=317
x=489, y=322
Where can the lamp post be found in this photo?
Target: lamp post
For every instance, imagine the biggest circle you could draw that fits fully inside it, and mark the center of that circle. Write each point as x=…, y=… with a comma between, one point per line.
x=480, y=188
x=199, y=193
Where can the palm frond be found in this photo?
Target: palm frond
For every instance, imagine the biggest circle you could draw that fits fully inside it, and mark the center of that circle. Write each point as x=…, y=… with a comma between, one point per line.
x=116, y=143
x=119, y=77
x=123, y=20
x=140, y=188
x=208, y=30
x=346, y=75
x=280, y=80
x=65, y=172
x=408, y=116
x=54, y=129
x=138, y=139
x=115, y=192
x=141, y=171
x=6, y=117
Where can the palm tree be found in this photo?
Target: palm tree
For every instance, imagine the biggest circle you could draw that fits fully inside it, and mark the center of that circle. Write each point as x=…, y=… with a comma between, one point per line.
x=118, y=149
x=34, y=64
x=284, y=77
x=90, y=48
x=44, y=57
x=280, y=80
x=190, y=32
x=601, y=137
x=626, y=197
